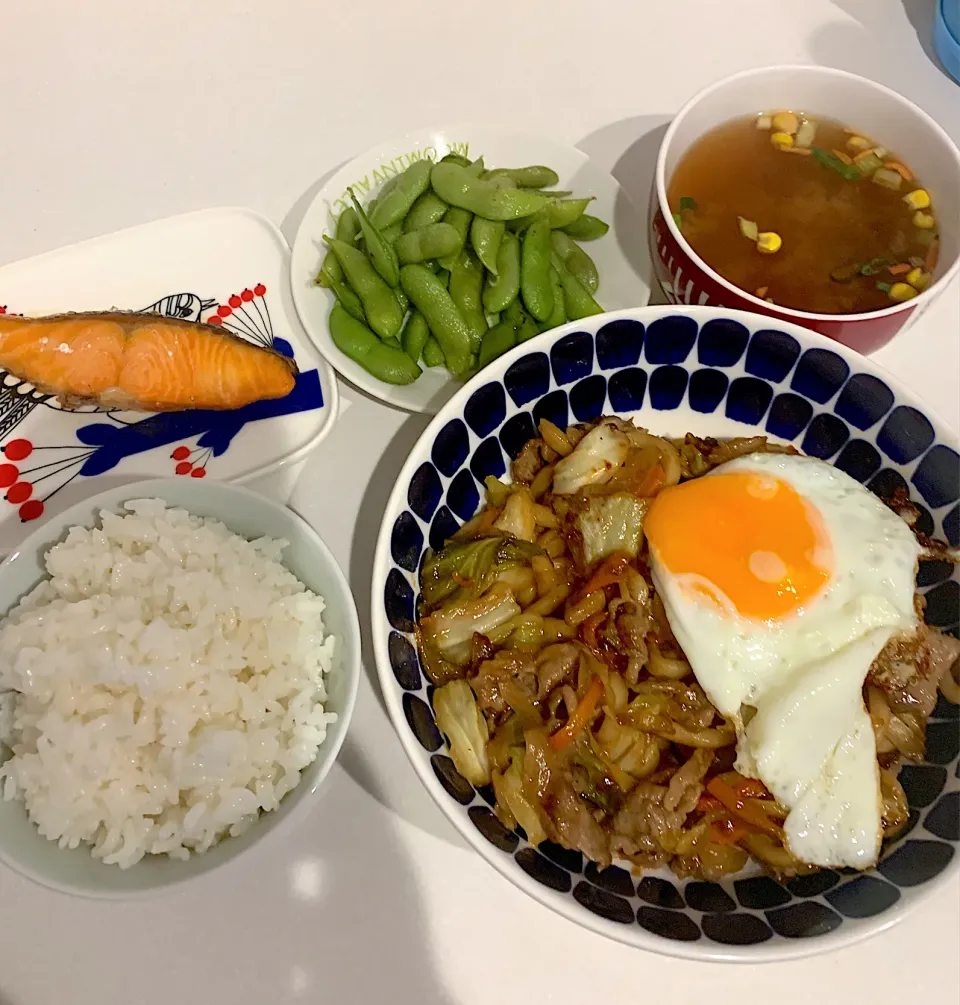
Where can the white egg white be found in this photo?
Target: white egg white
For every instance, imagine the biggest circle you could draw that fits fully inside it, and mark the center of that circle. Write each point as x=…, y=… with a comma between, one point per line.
x=794, y=685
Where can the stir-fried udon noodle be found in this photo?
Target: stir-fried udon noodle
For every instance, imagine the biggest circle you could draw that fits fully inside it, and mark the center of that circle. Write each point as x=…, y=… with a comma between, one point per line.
x=559, y=681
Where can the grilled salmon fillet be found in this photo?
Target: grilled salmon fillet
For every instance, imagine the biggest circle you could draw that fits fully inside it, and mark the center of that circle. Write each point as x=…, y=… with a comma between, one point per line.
x=141, y=362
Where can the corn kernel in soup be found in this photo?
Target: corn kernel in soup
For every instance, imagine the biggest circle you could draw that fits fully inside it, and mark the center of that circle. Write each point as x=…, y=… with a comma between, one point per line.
x=806, y=213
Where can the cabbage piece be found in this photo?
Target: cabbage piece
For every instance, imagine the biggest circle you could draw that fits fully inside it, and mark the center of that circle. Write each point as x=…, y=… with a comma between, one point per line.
x=512, y=804
x=461, y=721
x=594, y=460
x=518, y=518
x=471, y=566
x=612, y=523
x=450, y=630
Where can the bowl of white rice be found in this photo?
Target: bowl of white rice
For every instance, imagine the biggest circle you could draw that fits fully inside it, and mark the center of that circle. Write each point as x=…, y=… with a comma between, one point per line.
x=179, y=662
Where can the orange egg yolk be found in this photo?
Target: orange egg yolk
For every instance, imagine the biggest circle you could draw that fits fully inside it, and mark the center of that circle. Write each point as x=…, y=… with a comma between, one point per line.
x=745, y=538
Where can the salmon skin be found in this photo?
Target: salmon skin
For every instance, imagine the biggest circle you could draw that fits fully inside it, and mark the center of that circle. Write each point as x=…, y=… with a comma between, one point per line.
x=141, y=362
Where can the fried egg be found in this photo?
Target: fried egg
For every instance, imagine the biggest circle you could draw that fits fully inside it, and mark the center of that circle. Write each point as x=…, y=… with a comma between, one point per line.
x=782, y=578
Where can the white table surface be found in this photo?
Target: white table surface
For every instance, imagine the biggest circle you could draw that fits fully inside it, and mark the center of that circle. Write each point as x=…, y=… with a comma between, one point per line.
x=115, y=112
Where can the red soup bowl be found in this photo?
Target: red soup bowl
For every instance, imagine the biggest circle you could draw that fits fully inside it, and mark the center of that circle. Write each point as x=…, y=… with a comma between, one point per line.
x=882, y=114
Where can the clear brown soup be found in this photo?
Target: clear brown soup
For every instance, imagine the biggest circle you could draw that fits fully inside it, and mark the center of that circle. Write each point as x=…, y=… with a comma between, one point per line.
x=842, y=229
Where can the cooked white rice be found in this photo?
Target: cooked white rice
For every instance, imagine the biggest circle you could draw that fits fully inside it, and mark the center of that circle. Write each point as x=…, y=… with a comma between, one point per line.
x=166, y=685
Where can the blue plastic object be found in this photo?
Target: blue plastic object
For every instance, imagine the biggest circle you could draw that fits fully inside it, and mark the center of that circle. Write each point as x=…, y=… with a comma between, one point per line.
x=946, y=36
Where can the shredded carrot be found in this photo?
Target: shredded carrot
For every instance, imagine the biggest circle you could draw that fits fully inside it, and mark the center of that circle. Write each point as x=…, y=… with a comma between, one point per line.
x=613, y=570
x=899, y=270
x=752, y=788
x=736, y=804
x=860, y=156
x=651, y=482
x=931, y=260
x=589, y=628
x=706, y=803
x=727, y=832
x=840, y=155
x=581, y=717
x=905, y=173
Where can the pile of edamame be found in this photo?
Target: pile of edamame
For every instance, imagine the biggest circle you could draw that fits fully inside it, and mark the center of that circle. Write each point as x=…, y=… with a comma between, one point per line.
x=452, y=264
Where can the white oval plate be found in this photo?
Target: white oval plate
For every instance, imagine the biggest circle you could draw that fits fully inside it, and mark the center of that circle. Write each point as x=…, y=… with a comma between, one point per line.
x=228, y=264
x=621, y=256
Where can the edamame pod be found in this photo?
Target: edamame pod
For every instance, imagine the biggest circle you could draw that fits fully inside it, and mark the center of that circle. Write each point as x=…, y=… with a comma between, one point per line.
x=501, y=290
x=460, y=220
x=429, y=208
x=466, y=289
x=395, y=204
x=475, y=168
x=496, y=342
x=348, y=226
x=432, y=241
x=385, y=362
x=452, y=158
x=428, y=294
x=577, y=301
x=458, y=187
x=485, y=237
x=559, y=314
x=577, y=261
x=348, y=299
x=534, y=176
x=415, y=335
x=433, y=354
x=380, y=306
x=586, y=228
x=379, y=249
x=566, y=211
x=535, y=283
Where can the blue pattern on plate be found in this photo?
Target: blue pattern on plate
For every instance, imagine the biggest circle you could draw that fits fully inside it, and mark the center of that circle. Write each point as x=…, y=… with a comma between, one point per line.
x=669, y=340
x=619, y=344
x=626, y=389
x=667, y=387
x=789, y=415
x=905, y=435
x=722, y=342
x=766, y=381
x=572, y=357
x=771, y=355
x=819, y=375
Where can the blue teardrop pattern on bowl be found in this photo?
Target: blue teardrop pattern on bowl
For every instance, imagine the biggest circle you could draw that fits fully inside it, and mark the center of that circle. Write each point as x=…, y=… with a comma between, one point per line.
x=488, y=460
x=603, y=903
x=722, y=342
x=619, y=344
x=451, y=448
x=771, y=355
x=905, y=434
x=789, y=416
x=670, y=339
x=587, y=398
x=860, y=460
x=486, y=409
x=553, y=408
x=938, y=476
x=864, y=401
x=528, y=378
x=826, y=434
x=572, y=358
x=667, y=387
x=766, y=381
x=748, y=400
x=819, y=375
x=626, y=389
x=707, y=389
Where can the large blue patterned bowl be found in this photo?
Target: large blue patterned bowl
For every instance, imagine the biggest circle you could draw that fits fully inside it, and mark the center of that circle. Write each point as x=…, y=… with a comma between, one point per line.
x=718, y=373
